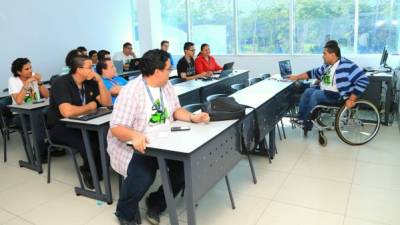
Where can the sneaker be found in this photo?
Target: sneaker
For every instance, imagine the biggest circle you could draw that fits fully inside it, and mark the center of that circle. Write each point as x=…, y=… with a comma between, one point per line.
x=152, y=216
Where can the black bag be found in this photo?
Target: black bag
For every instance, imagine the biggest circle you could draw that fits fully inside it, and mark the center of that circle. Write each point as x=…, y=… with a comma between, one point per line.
x=224, y=108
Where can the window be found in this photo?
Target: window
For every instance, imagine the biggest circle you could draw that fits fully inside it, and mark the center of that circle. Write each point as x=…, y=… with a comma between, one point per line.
x=263, y=26
x=135, y=28
x=174, y=24
x=317, y=21
x=212, y=23
x=378, y=26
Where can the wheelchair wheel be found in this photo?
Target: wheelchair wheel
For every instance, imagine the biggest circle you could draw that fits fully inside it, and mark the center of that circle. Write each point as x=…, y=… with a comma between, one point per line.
x=358, y=125
x=323, y=141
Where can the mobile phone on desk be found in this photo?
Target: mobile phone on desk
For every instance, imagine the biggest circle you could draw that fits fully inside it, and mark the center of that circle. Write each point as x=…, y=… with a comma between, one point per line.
x=179, y=128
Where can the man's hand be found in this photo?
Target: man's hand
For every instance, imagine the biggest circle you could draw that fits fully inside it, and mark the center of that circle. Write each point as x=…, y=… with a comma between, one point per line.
x=37, y=77
x=139, y=142
x=292, y=77
x=94, y=76
x=200, y=118
x=350, y=103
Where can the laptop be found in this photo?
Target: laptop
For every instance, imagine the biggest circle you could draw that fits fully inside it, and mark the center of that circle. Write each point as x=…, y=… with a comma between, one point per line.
x=227, y=66
x=134, y=64
x=285, y=68
x=119, y=66
x=98, y=113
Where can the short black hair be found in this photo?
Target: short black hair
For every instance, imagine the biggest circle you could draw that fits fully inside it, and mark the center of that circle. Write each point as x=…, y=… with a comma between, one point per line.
x=82, y=49
x=152, y=60
x=126, y=44
x=332, y=46
x=163, y=42
x=77, y=62
x=71, y=54
x=92, y=52
x=101, y=55
x=203, y=46
x=187, y=45
x=18, y=64
x=101, y=65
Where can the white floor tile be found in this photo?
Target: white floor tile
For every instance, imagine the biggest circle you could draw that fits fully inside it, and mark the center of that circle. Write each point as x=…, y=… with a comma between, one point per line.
x=284, y=214
x=19, y=221
x=320, y=194
x=322, y=167
x=374, y=204
x=5, y=216
x=353, y=221
x=377, y=175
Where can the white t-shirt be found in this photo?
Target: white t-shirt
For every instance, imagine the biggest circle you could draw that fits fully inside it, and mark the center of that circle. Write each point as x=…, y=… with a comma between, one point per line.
x=120, y=56
x=15, y=85
x=328, y=81
x=156, y=120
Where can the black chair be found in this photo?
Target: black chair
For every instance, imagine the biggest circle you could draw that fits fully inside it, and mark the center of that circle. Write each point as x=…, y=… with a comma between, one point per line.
x=55, y=146
x=5, y=90
x=255, y=80
x=265, y=76
x=53, y=79
x=214, y=96
x=176, y=80
x=8, y=124
x=237, y=87
x=193, y=107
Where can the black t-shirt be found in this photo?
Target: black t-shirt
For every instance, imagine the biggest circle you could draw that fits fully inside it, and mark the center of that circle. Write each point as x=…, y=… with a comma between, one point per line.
x=64, y=90
x=186, y=67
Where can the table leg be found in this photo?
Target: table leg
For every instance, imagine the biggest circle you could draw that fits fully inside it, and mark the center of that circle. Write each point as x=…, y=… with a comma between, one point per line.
x=169, y=197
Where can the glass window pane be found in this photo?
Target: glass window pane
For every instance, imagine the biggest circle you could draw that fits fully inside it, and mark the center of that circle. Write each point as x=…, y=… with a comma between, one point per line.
x=379, y=26
x=212, y=23
x=317, y=21
x=135, y=28
x=174, y=24
x=263, y=26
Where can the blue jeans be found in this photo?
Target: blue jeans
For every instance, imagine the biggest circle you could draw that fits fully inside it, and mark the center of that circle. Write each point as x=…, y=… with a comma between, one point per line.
x=141, y=173
x=311, y=98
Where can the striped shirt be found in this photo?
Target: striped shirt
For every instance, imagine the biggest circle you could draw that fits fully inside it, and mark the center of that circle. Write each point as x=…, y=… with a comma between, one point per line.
x=350, y=78
x=129, y=111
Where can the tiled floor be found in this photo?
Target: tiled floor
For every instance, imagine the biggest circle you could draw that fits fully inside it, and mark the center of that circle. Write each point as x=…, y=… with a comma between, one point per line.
x=305, y=185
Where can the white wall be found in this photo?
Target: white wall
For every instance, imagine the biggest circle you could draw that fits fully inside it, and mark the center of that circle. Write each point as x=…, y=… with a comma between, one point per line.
x=45, y=30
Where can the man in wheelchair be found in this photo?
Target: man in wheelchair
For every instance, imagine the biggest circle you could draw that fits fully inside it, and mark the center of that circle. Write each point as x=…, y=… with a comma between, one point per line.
x=339, y=80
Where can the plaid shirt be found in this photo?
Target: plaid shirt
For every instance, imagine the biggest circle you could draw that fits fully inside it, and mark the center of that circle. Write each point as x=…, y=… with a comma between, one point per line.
x=129, y=112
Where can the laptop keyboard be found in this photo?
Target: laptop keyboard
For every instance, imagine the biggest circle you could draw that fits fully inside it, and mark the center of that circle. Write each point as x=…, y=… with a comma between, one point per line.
x=98, y=113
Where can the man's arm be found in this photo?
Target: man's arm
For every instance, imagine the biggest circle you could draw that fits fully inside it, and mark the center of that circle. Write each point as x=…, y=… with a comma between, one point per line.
x=184, y=115
x=68, y=110
x=302, y=76
x=125, y=134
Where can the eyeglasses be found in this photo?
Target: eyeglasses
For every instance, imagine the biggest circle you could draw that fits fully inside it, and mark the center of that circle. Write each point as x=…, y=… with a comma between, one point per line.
x=192, y=50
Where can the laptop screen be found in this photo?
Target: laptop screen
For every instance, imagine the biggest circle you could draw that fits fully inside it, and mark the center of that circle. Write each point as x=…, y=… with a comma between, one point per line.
x=285, y=68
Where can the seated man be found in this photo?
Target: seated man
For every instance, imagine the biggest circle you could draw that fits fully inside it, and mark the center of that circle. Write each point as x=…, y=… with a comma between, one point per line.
x=185, y=67
x=71, y=54
x=145, y=104
x=77, y=93
x=125, y=56
x=103, y=55
x=340, y=79
x=24, y=85
x=165, y=47
x=113, y=82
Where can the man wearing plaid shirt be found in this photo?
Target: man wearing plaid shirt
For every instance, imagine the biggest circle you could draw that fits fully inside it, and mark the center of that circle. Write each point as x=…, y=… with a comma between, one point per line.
x=142, y=106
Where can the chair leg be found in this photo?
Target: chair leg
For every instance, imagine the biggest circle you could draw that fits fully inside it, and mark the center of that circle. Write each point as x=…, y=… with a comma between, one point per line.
x=8, y=134
x=264, y=147
x=283, y=130
x=138, y=217
x=183, y=191
x=279, y=131
x=253, y=173
x=4, y=145
x=230, y=192
x=77, y=169
x=48, y=163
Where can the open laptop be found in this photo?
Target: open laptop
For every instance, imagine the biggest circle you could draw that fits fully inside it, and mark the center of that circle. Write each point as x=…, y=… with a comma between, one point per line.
x=285, y=68
x=134, y=64
x=119, y=66
x=227, y=66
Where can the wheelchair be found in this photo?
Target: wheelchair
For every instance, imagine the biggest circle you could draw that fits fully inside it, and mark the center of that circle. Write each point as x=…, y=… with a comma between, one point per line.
x=355, y=126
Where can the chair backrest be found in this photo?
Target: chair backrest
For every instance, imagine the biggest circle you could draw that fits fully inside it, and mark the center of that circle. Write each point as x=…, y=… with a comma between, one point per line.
x=214, y=96
x=53, y=79
x=255, y=80
x=237, y=87
x=193, y=107
x=176, y=80
x=265, y=76
x=5, y=90
x=5, y=112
